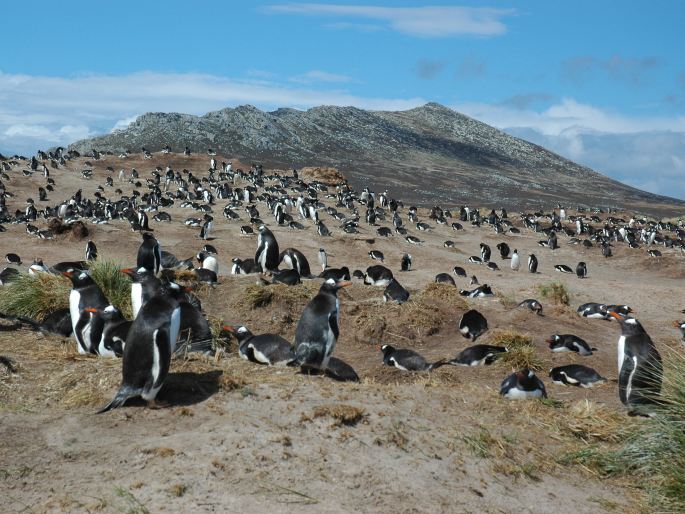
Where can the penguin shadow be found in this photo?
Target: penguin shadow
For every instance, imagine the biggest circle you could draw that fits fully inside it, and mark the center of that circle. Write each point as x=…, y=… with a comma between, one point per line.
x=185, y=388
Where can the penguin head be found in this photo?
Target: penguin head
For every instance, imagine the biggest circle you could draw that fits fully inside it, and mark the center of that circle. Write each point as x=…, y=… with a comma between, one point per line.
x=331, y=286
x=629, y=325
x=525, y=374
x=553, y=340
x=79, y=279
x=387, y=349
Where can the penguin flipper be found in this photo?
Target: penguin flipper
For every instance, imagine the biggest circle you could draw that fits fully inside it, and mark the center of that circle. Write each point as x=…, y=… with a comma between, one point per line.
x=124, y=393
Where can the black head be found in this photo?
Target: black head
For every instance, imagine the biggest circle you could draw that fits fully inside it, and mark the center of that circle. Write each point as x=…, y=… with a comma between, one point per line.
x=387, y=349
x=331, y=286
x=629, y=325
x=240, y=332
x=79, y=279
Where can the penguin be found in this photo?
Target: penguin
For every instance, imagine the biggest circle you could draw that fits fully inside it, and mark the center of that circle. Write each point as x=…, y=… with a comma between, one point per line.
x=114, y=331
x=267, y=250
x=144, y=286
x=336, y=274
x=413, y=240
x=485, y=252
x=581, y=270
x=503, y=250
x=473, y=281
x=149, y=254
x=206, y=227
x=563, y=268
x=317, y=330
x=475, y=259
x=323, y=259
x=623, y=310
x=407, y=360
x=246, y=230
x=54, y=323
x=243, y=266
x=533, y=305
x=593, y=310
x=606, y=250
x=444, y=278
x=480, y=292
x=377, y=255
x=569, y=343
x=270, y=349
x=206, y=275
x=681, y=326
x=91, y=251
x=295, y=260
x=459, y=271
x=394, y=292
x=208, y=261
x=576, y=375
x=473, y=324
x=515, y=260
x=210, y=249
x=640, y=369
x=523, y=384
x=38, y=267
x=87, y=326
x=532, y=263
x=378, y=275
x=7, y=275
x=150, y=342
x=341, y=371
x=405, y=263
x=492, y=266
x=478, y=355
x=289, y=277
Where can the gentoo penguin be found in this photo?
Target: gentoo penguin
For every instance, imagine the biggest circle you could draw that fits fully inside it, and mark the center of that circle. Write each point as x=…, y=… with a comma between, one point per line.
x=473, y=324
x=206, y=227
x=149, y=254
x=91, y=251
x=480, y=292
x=378, y=275
x=681, y=326
x=515, y=260
x=533, y=305
x=475, y=259
x=339, y=370
x=444, y=278
x=54, y=323
x=563, y=268
x=270, y=349
x=114, y=332
x=492, y=266
x=317, y=331
x=377, y=255
x=623, y=310
x=581, y=270
x=503, y=250
x=7, y=275
x=147, y=354
x=407, y=360
x=295, y=260
x=394, y=292
x=87, y=326
x=532, y=263
x=208, y=261
x=593, y=310
x=267, y=250
x=569, y=343
x=485, y=252
x=576, y=375
x=243, y=266
x=13, y=258
x=405, y=263
x=38, y=267
x=144, y=286
x=336, y=274
x=523, y=384
x=323, y=259
x=478, y=355
x=459, y=271
x=640, y=369
x=289, y=277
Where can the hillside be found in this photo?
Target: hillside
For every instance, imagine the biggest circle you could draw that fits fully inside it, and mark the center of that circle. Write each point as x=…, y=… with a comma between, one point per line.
x=430, y=154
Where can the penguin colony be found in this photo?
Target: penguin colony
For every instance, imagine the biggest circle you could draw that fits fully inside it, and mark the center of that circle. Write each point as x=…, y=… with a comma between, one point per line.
x=163, y=311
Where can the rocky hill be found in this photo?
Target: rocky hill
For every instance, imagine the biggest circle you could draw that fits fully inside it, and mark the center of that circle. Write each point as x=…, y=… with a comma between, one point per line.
x=430, y=154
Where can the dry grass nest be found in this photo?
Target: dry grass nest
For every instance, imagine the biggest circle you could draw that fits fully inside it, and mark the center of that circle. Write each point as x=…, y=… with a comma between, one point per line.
x=521, y=351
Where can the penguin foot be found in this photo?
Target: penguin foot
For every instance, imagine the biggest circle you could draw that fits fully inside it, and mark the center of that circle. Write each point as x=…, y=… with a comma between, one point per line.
x=156, y=404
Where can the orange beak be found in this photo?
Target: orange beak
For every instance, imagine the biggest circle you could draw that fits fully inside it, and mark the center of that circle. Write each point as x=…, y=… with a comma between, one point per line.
x=126, y=270
x=188, y=289
x=616, y=315
x=91, y=310
x=344, y=284
x=228, y=328
x=68, y=274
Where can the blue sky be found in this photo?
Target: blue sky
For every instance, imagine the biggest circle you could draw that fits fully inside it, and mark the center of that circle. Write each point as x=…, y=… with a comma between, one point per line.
x=600, y=82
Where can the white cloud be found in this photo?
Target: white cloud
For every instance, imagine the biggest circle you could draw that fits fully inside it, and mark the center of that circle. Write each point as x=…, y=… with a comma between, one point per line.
x=320, y=76
x=39, y=111
x=428, y=21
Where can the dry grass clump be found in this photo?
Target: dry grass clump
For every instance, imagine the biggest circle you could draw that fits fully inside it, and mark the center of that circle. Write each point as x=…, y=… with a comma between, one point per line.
x=592, y=422
x=256, y=296
x=520, y=350
x=341, y=413
x=326, y=175
x=444, y=293
x=84, y=381
x=35, y=296
x=555, y=291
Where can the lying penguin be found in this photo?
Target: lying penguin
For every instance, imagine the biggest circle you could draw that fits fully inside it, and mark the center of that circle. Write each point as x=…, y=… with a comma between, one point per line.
x=407, y=360
x=270, y=349
x=521, y=385
x=576, y=375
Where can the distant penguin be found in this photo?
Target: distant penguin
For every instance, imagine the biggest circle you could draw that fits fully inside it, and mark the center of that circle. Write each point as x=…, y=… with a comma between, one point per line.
x=569, y=343
x=378, y=275
x=377, y=255
x=87, y=326
x=515, y=261
x=576, y=375
x=207, y=226
x=444, y=278
x=323, y=259
x=533, y=305
x=270, y=349
x=593, y=310
x=91, y=251
x=532, y=263
x=581, y=270
x=296, y=260
x=473, y=324
x=459, y=271
x=317, y=331
x=478, y=355
x=485, y=252
x=563, y=268
x=405, y=263
x=394, y=292
x=523, y=384
x=150, y=343
x=407, y=360
x=640, y=369
x=267, y=250
x=503, y=250
x=149, y=254
x=13, y=258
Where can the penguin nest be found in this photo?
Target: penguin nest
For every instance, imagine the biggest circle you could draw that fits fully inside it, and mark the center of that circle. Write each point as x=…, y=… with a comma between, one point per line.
x=521, y=353
x=293, y=298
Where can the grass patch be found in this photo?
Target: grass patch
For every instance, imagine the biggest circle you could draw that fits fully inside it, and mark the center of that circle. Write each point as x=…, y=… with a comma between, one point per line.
x=115, y=285
x=521, y=352
x=555, y=291
x=341, y=413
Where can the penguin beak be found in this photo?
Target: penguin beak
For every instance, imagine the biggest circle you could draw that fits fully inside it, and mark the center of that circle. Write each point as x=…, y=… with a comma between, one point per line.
x=68, y=274
x=128, y=271
x=188, y=289
x=616, y=315
x=676, y=324
x=549, y=341
x=228, y=328
x=344, y=284
x=91, y=310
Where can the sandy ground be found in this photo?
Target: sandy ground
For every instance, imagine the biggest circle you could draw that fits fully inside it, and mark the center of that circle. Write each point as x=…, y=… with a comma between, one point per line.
x=237, y=437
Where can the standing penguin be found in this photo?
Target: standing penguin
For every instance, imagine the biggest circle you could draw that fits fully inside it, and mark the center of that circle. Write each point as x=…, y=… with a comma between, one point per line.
x=405, y=263
x=515, y=260
x=144, y=286
x=639, y=366
x=147, y=353
x=317, y=331
x=532, y=263
x=207, y=227
x=296, y=260
x=87, y=325
x=149, y=254
x=91, y=251
x=267, y=253
x=581, y=270
x=323, y=259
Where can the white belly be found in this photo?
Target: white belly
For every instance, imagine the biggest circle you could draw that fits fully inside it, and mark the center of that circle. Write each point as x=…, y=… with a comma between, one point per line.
x=136, y=298
x=518, y=394
x=621, y=351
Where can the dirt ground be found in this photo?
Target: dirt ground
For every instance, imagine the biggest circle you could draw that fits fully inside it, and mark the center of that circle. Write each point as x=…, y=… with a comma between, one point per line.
x=238, y=437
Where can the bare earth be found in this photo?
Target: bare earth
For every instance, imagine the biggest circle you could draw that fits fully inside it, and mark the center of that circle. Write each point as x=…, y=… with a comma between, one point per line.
x=238, y=437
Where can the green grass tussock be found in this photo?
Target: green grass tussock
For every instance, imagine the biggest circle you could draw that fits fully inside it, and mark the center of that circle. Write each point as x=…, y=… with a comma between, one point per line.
x=555, y=291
